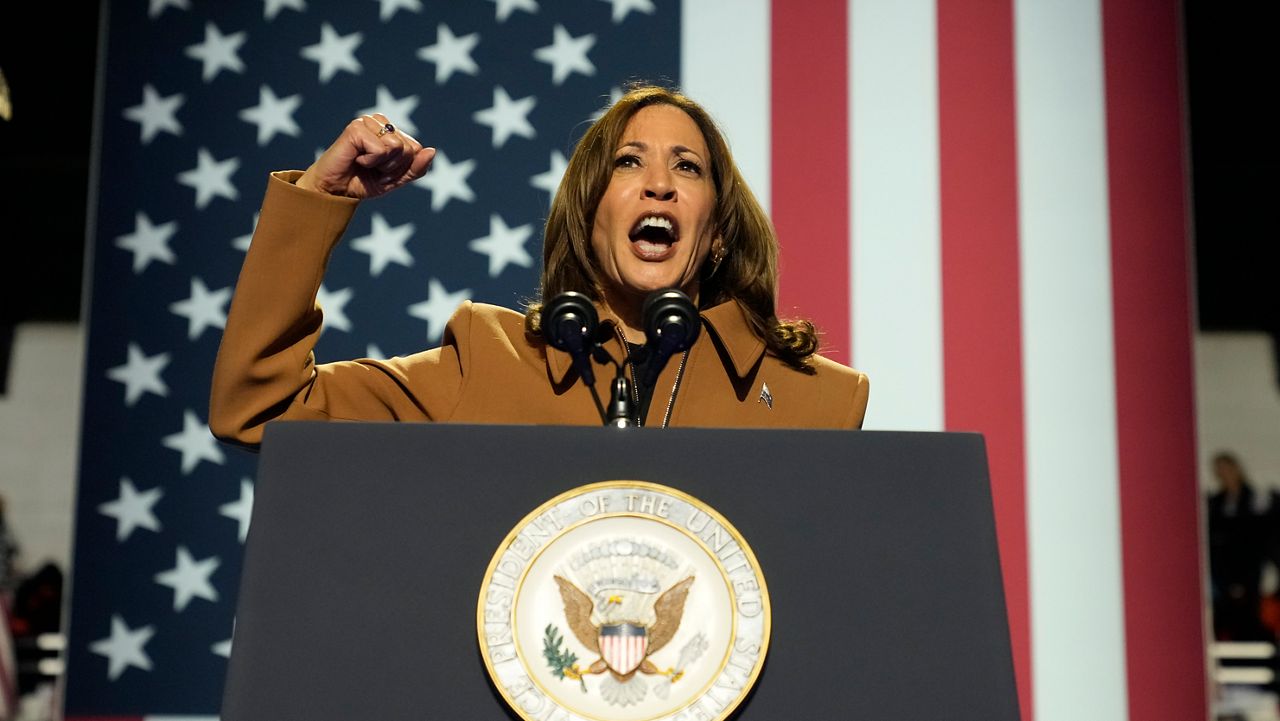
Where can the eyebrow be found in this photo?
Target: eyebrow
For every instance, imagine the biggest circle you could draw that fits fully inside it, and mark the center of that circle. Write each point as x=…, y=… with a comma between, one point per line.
x=641, y=145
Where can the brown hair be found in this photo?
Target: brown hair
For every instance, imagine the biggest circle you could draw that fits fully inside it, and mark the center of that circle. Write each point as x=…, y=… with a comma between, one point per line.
x=749, y=270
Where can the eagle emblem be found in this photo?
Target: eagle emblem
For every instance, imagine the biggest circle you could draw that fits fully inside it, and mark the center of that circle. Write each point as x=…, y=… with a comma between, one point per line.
x=623, y=647
x=623, y=600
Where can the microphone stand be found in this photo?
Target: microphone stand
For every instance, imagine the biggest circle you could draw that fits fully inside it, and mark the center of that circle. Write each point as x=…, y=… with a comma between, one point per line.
x=621, y=410
x=620, y=404
x=621, y=400
x=671, y=324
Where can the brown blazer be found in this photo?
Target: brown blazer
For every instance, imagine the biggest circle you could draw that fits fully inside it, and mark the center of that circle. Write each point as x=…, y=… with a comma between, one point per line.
x=487, y=370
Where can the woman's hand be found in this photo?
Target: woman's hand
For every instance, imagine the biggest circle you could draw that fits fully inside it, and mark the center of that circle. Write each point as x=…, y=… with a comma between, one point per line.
x=368, y=160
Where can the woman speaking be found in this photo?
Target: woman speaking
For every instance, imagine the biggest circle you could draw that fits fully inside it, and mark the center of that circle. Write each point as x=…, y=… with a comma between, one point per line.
x=651, y=201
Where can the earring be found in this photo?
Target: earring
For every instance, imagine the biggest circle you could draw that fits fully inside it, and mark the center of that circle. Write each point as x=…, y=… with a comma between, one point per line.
x=716, y=258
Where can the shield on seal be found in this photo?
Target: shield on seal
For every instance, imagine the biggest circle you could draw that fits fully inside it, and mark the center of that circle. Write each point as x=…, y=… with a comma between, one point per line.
x=623, y=646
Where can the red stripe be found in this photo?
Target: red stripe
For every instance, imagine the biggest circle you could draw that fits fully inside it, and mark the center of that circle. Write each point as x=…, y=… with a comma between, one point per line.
x=1159, y=496
x=981, y=320
x=810, y=165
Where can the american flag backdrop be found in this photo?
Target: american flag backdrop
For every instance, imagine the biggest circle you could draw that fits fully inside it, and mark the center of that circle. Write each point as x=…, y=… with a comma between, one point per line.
x=982, y=203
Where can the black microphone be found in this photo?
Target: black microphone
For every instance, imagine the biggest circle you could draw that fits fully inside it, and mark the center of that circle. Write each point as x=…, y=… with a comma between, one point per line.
x=569, y=322
x=671, y=325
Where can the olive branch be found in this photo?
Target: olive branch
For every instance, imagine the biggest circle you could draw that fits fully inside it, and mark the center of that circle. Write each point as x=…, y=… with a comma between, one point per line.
x=562, y=662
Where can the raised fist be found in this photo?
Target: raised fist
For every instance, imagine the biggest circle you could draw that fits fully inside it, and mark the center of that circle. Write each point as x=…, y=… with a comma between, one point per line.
x=370, y=158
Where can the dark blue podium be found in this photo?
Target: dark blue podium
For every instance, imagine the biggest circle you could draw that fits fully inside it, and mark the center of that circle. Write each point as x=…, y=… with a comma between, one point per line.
x=369, y=543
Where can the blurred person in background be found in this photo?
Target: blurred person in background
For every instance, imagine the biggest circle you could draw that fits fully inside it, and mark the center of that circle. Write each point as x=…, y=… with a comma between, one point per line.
x=1244, y=521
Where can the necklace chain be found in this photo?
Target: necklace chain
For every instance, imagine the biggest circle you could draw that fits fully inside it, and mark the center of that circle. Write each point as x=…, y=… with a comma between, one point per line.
x=675, y=388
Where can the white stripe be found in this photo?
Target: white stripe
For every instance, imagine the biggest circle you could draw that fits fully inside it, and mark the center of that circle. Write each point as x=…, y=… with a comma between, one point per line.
x=725, y=67
x=1077, y=613
x=894, y=203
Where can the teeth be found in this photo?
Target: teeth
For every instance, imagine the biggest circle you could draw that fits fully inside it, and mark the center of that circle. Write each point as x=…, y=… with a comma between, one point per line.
x=655, y=222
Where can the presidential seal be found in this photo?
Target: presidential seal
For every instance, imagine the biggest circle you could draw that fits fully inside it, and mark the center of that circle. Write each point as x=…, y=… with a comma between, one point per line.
x=623, y=601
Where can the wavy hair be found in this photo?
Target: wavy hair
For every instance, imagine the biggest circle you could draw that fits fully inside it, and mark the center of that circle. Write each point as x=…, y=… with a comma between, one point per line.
x=748, y=272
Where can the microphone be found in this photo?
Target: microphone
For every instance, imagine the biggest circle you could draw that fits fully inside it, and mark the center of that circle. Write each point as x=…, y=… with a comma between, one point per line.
x=671, y=325
x=569, y=322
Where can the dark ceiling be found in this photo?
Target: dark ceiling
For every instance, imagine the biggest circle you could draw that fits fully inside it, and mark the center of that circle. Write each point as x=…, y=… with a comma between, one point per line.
x=1235, y=158
x=1231, y=73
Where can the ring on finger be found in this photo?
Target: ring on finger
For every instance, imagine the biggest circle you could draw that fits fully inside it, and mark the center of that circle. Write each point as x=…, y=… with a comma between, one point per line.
x=388, y=128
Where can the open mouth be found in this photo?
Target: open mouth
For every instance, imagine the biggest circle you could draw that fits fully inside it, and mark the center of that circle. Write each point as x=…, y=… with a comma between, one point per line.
x=653, y=235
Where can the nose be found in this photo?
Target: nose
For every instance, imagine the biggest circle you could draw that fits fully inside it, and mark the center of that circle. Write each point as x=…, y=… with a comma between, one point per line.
x=658, y=186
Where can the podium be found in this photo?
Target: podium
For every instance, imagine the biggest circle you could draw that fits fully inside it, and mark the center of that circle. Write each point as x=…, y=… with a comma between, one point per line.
x=369, y=543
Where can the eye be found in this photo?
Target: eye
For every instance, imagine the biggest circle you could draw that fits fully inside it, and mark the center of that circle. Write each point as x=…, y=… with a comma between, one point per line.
x=688, y=166
x=626, y=161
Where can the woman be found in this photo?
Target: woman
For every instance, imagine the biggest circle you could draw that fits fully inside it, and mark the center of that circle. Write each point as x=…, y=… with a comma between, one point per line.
x=650, y=200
